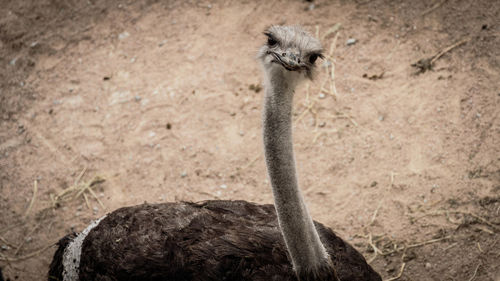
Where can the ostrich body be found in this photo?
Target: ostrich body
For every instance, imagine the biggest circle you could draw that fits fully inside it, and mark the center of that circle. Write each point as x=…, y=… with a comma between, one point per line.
x=226, y=240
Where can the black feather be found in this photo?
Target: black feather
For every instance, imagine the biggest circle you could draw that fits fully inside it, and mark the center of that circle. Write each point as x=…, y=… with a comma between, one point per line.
x=211, y=240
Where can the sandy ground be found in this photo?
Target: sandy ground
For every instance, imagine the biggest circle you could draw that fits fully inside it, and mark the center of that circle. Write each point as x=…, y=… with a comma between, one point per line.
x=162, y=99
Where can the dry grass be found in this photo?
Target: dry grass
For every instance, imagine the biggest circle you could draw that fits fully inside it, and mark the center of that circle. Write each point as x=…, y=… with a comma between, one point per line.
x=79, y=189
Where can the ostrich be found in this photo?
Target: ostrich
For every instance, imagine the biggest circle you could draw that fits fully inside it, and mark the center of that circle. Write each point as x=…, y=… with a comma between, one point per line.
x=226, y=240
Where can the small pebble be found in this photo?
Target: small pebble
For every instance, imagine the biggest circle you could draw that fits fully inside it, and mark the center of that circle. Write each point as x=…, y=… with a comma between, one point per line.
x=326, y=63
x=137, y=98
x=152, y=134
x=5, y=247
x=321, y=95
x=381, y=118
x=162, y=43
x=223, y=186
x=428, y=265
x=351, y=41
x=123, y=35
x=311, y=7
x=183, y=174
x=13, y=61
x=391, y=137
x=95, y=210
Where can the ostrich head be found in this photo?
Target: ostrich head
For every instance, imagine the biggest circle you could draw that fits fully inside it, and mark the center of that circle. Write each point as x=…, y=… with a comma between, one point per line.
x=290, y=51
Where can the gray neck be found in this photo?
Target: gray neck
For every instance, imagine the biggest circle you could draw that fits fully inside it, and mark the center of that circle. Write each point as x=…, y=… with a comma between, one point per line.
x=301, y=238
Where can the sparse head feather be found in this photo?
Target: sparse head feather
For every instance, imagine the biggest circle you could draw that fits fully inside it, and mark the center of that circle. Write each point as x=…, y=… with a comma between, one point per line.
x=295, y=36
x=291, y=47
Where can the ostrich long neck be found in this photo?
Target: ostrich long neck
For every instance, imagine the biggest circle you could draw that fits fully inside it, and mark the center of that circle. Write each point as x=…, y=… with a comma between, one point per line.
x=301, y=237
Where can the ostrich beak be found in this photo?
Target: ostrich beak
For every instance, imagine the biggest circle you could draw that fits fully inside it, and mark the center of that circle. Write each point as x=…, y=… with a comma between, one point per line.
x=289, y=60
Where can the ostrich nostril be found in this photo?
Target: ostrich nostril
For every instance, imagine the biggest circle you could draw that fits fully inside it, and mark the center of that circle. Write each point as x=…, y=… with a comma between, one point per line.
x=284, y=54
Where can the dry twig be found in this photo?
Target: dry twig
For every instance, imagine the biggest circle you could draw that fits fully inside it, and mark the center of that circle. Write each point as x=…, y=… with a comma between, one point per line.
x=446, y=50
x=437, y=5
x=399, y=274
x=33, y=198
x=375, y=213
x=7, y=242
x=331, y=30
x=78, y=189
x=375, y=249
x=404, y=247
x=427, y=63
x=475, y=272
x=447, y=212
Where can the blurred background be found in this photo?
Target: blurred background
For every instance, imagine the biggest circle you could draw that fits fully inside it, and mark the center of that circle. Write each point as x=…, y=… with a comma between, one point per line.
x=105, y=104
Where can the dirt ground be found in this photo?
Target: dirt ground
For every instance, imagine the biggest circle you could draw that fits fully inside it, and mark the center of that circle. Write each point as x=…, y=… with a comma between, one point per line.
x=162, y=100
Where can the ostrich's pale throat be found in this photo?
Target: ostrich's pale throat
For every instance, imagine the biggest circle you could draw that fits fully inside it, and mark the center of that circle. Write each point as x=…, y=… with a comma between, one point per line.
x=298, y=230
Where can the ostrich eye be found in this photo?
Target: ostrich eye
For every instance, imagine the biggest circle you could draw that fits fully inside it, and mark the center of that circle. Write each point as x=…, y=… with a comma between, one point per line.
x=271, y=42
x=313, y=58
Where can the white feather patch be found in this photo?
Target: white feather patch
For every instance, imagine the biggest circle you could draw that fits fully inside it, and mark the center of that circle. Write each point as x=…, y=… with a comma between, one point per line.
x=72, y=253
